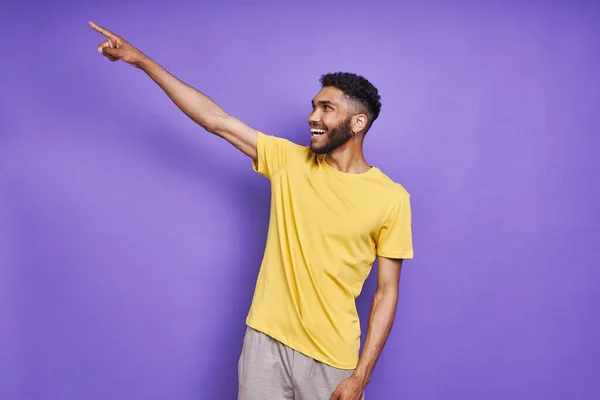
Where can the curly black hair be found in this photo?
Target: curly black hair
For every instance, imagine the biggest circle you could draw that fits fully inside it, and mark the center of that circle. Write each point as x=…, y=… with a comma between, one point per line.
x=356, y=88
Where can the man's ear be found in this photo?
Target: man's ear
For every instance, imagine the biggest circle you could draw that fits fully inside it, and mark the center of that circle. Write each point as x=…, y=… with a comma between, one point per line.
x=359, y=123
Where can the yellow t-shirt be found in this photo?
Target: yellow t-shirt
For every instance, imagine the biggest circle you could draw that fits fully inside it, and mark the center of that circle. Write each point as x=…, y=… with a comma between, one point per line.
x=326, y=228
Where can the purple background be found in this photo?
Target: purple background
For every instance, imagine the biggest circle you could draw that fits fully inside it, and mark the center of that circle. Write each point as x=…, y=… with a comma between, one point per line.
x=130, y=238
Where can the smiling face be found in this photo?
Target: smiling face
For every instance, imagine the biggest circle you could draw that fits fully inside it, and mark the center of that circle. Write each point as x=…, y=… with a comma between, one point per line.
x=330, y=121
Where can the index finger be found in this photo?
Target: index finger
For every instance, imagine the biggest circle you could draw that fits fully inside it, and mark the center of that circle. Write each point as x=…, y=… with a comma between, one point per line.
x=105, y=32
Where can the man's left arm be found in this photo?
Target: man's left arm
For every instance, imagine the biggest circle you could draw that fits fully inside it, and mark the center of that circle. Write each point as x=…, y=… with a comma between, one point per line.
x=381, y=318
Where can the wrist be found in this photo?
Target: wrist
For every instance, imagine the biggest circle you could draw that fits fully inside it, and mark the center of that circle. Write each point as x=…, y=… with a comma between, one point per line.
x=143, y=63
x=361, y=376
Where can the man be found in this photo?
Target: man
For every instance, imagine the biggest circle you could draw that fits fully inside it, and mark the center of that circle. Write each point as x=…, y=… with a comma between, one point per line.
x=332, y=215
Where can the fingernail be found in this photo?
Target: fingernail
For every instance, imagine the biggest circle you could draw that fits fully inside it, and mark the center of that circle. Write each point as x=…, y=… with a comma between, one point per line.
x=99, y=49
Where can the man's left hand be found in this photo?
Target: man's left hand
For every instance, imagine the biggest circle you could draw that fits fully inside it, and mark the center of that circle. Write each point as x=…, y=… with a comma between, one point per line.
x=349, y=389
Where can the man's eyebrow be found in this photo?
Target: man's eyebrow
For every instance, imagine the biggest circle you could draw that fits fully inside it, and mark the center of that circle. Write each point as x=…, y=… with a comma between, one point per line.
x=322, y=102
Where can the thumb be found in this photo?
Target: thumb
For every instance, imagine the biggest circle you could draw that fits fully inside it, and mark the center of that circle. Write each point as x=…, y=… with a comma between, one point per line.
x=111, y=52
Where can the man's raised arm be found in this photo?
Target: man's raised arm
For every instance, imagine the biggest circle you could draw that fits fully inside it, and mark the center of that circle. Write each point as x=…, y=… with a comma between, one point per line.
x=195, y=104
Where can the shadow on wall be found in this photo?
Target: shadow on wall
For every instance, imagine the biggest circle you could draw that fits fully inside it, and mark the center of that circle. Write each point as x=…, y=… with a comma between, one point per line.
x=249, y=208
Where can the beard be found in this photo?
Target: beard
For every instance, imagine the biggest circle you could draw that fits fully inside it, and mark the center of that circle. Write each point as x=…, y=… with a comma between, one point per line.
x=336, y=137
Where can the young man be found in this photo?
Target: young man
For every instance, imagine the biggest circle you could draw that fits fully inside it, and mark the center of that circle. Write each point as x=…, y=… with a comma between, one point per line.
x=332, y=214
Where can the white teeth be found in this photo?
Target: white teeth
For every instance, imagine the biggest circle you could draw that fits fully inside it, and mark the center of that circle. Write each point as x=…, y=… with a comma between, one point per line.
x=317, y=131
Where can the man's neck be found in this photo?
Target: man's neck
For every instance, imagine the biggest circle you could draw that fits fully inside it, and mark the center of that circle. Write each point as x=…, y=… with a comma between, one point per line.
x=348, y=158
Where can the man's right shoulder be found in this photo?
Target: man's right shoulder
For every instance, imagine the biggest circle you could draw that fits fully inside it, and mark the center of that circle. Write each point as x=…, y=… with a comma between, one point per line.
x=282, y=143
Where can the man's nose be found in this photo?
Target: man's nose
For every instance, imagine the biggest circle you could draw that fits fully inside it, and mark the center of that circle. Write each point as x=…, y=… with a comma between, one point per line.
x=314, y=118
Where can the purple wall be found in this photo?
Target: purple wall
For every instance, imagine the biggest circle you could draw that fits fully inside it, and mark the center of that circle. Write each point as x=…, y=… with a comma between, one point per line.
x=130, y=239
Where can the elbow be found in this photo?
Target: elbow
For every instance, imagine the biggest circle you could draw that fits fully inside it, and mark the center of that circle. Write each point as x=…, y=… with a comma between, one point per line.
x=386, y=293
x=215, y=123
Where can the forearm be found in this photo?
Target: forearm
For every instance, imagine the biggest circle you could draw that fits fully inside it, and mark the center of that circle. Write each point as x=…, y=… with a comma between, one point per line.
x=195, y=104
x=381, y=318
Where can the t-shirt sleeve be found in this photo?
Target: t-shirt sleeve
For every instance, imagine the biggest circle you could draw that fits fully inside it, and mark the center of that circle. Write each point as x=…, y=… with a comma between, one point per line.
x=395, y=236
x=273, y=153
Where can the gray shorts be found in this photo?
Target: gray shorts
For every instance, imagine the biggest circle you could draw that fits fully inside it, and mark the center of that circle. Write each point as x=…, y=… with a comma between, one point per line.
x=269, y=370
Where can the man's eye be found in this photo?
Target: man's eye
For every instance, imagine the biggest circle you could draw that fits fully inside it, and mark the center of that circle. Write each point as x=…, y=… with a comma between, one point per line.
x=327, y=107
